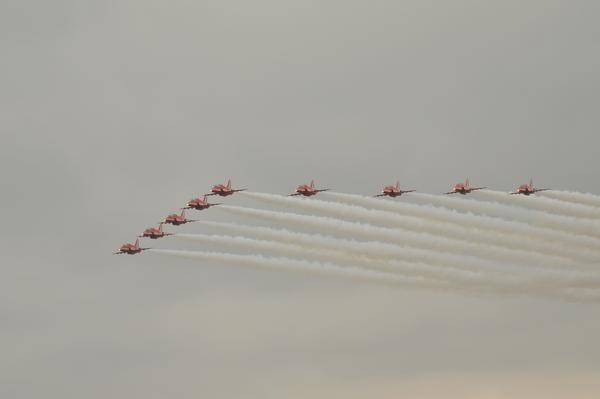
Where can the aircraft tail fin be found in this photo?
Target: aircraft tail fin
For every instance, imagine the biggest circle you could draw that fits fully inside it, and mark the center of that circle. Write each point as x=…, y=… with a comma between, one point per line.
x=229, y=183
x=137, y=243
x=531, y=182
x=398, y=184
x=312, y=184
x=467, y=183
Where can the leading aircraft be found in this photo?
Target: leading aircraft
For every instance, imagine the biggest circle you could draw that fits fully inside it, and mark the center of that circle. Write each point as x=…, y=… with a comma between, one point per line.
x=224, y=189
x=199, y=203
x=393, y=191
x=528, y=189
x=464, y=188
x=131, y=249
x=155, y=232
x=177, y=220
x=307, y=190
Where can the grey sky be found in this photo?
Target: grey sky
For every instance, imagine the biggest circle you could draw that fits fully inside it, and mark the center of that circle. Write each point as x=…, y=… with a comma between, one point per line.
x=114, y=113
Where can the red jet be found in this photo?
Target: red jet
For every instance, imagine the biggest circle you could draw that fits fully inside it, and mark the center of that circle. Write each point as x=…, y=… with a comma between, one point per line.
x=199, y=204
x=307, y=190
x=131, y=249
x=155, y=232
x=224, y=190
x=177, y=220
x=464, y=188
x=528, y=189
x=393, y=191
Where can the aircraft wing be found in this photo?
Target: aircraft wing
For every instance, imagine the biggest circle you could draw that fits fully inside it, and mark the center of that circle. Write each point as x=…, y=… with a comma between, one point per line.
x=450, y=192
x=379, y=195
x=293, y=195
x=321, y=190
x=118, y=253
x=407, y=191
x=238, y=190
x=478, y=188
x=541, y=189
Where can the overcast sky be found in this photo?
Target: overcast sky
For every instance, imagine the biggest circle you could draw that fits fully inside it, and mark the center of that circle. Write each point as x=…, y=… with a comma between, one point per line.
x=113, y=113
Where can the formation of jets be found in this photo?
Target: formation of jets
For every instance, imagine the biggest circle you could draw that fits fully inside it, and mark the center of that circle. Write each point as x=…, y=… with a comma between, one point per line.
x=175, y=219
x=306, y=190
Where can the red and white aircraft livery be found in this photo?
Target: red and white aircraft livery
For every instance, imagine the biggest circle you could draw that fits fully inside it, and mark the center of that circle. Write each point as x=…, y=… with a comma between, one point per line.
x=393, y=191
x=464, y=188
x=199, y=204
x=155, y=232
x=528, y=189
x=307, y=190
x=224, y=190
x=131, y=249
x=176, y=220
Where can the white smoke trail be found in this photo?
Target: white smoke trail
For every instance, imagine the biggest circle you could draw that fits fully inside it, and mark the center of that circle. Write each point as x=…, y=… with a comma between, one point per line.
x=544, y=204
x=463, y=231
x=278, y=247
x=338, y=251
x=579, y=227
x=573, y=197
x=331, y=254
x=317, y=268
x=286, y=264
x=557, y=242
x=371, y=249
x=413, y=239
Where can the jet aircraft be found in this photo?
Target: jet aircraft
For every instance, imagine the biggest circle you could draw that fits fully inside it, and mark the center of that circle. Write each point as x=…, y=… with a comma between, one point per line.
x=224, y=190
x=464, y=188
x=177, y=220
x=393, y=191
x=307, y=190
x=155, y=232
x=528, y=189
x=131, y=249
x=199, y=204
